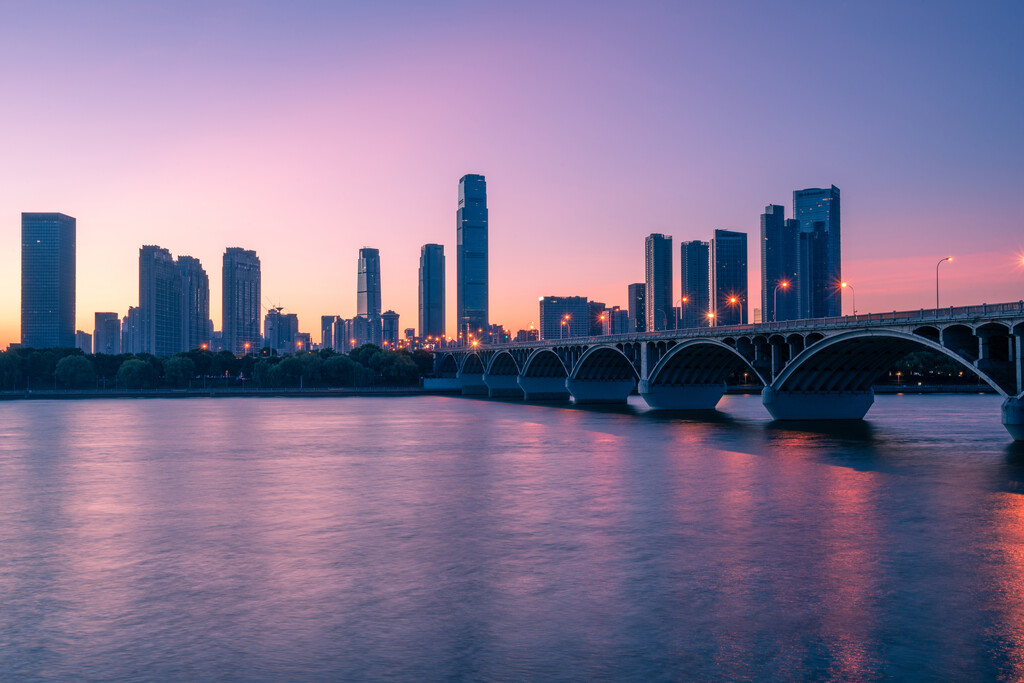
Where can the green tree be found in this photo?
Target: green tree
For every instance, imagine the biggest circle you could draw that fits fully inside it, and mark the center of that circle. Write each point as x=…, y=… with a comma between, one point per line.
x=10, y=371
x=363, y=354
x=179, y=371
x=136, y=374
x=75, y=372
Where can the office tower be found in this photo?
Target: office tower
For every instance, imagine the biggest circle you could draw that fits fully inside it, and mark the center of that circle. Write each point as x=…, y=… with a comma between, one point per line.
x=343, y=340
x=327, y=331
x=820, y=257
x=368, y=292
x=281, y=331
x=389, y=328
x=695, y=300
x=83, y=341
x=195, y=303
x=729, y=277
x=431, y=306
x=360, y=331
x=527, y=335
x=471, y=233
x=615, y=321
x=241, y=299
x=780, y=265
x=303, y=342
x=130, y=331
x=562, y=317
x=597, y=318
x=637, y=310
x=47, y=280
x=106, y=335
x=159, y=302
x=658, y=285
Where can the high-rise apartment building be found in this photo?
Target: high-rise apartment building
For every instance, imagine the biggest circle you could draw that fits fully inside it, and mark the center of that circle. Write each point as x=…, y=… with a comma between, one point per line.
x=695, y=299
x=658, y=283
x=47, y=280
x=327, y=331
x=431, y=300
x=106, y=335
x=130, y=331
x=241, y=297
x=368, y=296
x=637, y=309
x=83, y=341
x=820, y=255
x=281, y=331
x=729, y=277
x=562, y=317
x=780, y=265
x=195, y=303
x=389, y=329
x=160, y=302
x=471, y=255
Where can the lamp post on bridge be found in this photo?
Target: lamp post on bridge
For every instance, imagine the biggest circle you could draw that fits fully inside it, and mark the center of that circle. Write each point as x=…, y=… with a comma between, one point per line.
x=941, y=261
x=853, y=294
x=784, y=284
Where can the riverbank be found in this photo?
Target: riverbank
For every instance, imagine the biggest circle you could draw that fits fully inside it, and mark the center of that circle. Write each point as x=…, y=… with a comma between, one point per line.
x=79, y=394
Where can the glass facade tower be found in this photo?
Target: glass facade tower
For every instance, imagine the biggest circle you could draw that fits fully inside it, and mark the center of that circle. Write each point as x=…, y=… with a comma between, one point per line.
x=820, y=255
x=159, y=302
x=195, y=303
x=47, y=280
x=695, y=298
x=780, y=265
x=368, y=292
x=729, y=277
x=471, y=256
x=241, y=298
x=658, y=284
x=431, y=300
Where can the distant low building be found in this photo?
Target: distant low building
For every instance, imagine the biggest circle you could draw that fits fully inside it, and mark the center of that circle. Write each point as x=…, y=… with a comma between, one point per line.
x=83, y=341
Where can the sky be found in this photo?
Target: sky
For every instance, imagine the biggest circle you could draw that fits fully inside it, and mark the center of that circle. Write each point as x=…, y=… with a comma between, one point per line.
x=308, y=130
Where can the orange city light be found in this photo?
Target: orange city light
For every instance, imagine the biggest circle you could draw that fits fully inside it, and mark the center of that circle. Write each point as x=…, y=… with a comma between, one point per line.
x=785, y=283
x=710, y=315
x=732, y=299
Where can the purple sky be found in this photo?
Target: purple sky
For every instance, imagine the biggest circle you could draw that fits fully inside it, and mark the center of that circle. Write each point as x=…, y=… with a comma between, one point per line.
x=306, y=131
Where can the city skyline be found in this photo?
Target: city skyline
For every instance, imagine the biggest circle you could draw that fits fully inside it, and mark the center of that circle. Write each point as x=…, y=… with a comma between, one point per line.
x=363, y=124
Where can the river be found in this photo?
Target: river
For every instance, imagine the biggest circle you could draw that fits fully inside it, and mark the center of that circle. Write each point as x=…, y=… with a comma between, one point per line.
x=429, y=537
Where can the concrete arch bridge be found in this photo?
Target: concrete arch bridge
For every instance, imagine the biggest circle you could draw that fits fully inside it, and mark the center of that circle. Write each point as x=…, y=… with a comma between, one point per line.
x=821, y=369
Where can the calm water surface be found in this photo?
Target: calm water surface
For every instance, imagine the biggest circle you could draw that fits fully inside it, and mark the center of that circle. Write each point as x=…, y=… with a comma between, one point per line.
x=430, y=538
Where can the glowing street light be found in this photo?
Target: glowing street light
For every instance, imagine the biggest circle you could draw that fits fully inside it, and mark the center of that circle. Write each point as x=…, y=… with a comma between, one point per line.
x=711, y=319
x=853, y=294
x=941, y=261
x=784, y=284
x=566, y=325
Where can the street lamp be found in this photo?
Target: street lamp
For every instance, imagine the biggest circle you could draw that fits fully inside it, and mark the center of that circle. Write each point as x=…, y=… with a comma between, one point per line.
x=711, y=319
x=682, y=310
x=784, y=284
x=566, y=326
x=853, y=294
x=941, y=261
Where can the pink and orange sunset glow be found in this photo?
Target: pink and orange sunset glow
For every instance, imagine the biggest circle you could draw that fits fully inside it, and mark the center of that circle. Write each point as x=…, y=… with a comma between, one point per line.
x=305, y=133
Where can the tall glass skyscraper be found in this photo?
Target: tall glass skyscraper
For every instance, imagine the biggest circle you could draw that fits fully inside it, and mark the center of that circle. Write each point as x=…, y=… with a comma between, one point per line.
x=658, y=283
x=431, y=290
x=820, y=251
x=695, y=298
x=637, y=310
x=368, y=293
x=47, y=280
x=472, y=272
x=195, y=303
x=780, y=265
x=729, y=277
x=159, y=302
x=241, y=297
x=106, y=335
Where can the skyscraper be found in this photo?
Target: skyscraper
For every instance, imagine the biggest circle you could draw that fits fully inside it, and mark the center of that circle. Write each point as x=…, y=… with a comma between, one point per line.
x=729, y=277
x=368, y=292
x=241, y=299
x=106, y=335
x=562, y=317
x=636, y=307
x=195, y=303
x=389, y=329
x=658, y=284
x=327, y=331
x=47, y=280
x=695, y=302
x=281, y=331
x=431, y=290
x=780, y=265
x=159, y=302
x=820, y=253
x=471, y=232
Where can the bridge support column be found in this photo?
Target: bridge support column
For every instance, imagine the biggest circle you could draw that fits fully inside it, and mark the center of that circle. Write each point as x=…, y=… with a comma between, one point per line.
x=682, y=396
x=817, y=405
x=472, y=385
x=600, y=391
x=502, y=386
x=543, y=388
x=1013, y=417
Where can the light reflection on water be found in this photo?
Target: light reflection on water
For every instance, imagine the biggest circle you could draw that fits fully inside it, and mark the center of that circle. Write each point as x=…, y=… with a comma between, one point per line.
x=432, y=537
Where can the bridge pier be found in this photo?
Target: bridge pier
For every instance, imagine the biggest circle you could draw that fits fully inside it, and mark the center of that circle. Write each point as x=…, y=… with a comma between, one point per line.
x=502, y=386
x=682, y=396
x=543, y=388
x=472, y=384
x=817, y=405
x=1013, y=417
x=600, y=390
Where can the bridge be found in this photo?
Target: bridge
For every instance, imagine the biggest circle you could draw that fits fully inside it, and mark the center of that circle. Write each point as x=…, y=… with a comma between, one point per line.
x=820, y=369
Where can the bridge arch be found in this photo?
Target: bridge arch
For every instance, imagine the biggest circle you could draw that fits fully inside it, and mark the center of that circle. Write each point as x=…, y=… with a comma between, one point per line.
x=603, y=363
x=447, y=366
x=853, y=362
x=502, y=363
x=472, y=364
x=544, y=363
x=700, y=361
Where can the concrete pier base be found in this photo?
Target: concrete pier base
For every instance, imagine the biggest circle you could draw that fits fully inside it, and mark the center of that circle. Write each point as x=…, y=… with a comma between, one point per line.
x=600, y=391
x=682, y=396
x=543, y=388
x=1013, y=417
x=473, y=385
x=817, y=405
x=502, y=386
